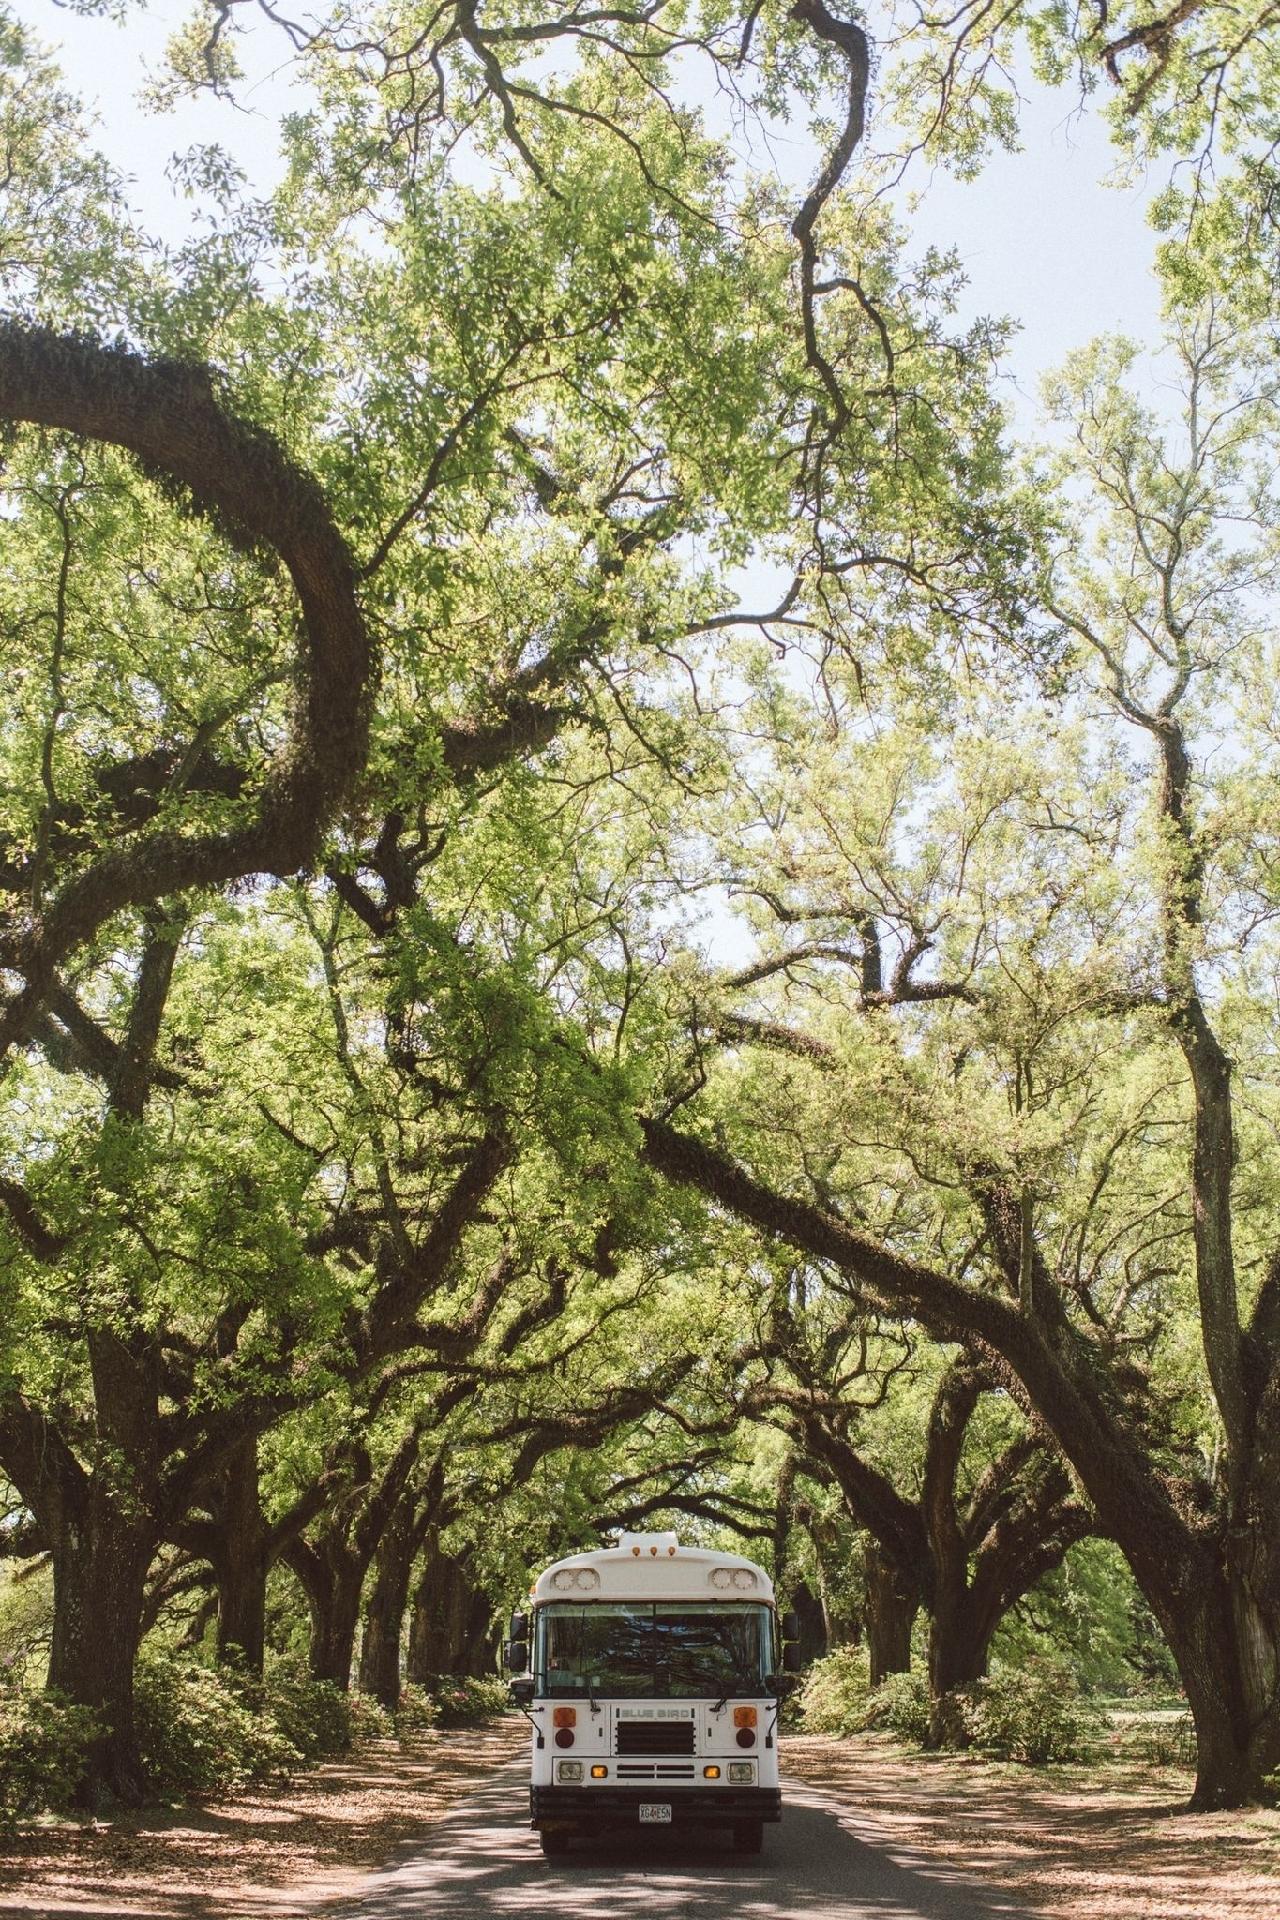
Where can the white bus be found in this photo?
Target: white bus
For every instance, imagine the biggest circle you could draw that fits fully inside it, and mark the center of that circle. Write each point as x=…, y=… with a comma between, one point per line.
x=650, y=1672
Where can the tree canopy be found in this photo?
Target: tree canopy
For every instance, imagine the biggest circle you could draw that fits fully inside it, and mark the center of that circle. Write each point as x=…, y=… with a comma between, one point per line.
x=425, y=587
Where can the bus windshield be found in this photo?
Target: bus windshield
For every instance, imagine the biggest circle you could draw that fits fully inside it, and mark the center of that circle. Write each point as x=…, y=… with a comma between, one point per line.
x=682, y=1650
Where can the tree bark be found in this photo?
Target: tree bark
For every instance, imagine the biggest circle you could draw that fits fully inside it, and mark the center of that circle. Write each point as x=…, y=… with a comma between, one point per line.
x=380, y=1651
x=959, y=1646
x=243, y=1556
x=102, y=1538
x=100, y=1564
x=957, y=1643
x=335, y=1619
x=1222, y=1637
x=893, y=1601
x=815, y=1622
x=332, y=1586
x=451, y=1627
x=333, y=1561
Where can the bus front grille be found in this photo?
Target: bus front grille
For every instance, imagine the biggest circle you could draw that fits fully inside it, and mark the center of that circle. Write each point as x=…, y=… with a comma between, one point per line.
x=655, y=1736
x=676, y=1772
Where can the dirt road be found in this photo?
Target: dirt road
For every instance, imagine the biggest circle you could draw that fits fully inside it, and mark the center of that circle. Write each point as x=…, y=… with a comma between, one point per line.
x=435, y=1831
x=821, y=1863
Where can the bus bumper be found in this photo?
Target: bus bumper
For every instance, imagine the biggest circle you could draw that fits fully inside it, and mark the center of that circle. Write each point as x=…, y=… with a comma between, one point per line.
x=605, y=1806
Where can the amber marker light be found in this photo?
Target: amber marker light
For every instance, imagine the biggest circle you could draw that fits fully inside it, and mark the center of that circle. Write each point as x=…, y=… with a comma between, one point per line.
x=599, y=1773
x=565, y=1717
x=742, y=1717
x=711, y=1773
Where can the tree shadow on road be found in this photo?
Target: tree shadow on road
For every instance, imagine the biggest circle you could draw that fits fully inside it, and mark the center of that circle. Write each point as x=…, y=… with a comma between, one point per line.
x=483, y=1866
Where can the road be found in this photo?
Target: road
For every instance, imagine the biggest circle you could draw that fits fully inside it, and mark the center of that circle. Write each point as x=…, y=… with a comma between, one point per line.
x=822, y=1863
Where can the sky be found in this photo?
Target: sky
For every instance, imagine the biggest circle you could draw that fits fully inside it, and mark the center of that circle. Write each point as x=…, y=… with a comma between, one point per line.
x=1043, y=239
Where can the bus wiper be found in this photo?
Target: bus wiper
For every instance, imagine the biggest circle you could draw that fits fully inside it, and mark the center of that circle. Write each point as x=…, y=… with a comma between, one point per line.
x=741, y=1679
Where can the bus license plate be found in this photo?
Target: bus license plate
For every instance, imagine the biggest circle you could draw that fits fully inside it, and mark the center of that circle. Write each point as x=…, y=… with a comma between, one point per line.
x=655, y=1810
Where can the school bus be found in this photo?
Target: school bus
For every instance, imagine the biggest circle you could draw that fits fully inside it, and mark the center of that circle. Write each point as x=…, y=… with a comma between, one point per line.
x=652, y=1674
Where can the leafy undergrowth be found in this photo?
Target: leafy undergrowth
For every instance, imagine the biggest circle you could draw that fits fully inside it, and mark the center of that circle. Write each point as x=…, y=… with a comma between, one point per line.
x=1107, y=1842
x=1035, y=1712
x=265, y=1851
x=463, y=1702
x=205, y=1731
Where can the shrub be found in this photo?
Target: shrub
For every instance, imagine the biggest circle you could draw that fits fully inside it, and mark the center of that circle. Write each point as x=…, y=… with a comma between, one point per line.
x=900, y=1704
x=417, y=1710
x=837, y=1697
x=313, y=1715
x=26, y=1621
x=463, y=1701
x=43, y=1744
x=1034, y=1713
x=367, y=1718
x=833, y=1698
x=198, y=1729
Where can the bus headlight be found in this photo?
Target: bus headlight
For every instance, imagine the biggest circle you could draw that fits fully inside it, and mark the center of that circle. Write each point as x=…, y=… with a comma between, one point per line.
x=568, y=1770
x=741, y=1772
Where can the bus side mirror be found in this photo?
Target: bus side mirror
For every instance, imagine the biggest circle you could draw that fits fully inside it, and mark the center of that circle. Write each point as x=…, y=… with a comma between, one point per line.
x=519, y=1626
x=791, y=1662
x=522, y=1690
x=779, y=1685
x=790, y=1624
x=515, y=1656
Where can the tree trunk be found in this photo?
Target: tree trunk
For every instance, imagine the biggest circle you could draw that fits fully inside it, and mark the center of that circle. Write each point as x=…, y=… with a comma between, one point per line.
x=241, y=1564
x=959, y=1643
x=815, y=1632
x=100, y=1564
x=385, y=1608
x=331, y=1578
x=892, y=1605
x=480, y=1639
x=335, y=1616
x=1215, y=1639
x=451, y=1627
